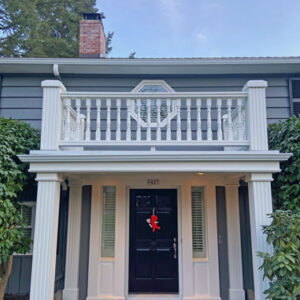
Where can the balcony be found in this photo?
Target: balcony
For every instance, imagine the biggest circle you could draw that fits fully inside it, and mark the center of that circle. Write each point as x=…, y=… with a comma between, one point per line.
x=205, y=120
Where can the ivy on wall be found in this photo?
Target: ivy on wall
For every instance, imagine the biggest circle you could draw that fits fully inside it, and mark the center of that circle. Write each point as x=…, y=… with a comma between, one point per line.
x=16, y=137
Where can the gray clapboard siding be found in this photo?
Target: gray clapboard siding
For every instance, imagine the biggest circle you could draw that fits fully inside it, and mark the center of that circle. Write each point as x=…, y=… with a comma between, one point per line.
x=19, y=281
x=21, y=96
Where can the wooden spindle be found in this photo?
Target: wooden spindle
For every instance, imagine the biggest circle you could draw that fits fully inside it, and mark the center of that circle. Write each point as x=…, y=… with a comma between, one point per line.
x=138, y=130
x=158, y=129
x=88, y=120
x=78, y=106
x=108, y=119
x=168, y=120
x=128, y=130
x=98, y=120
x=209, y=131
x=199, y=130
x=219, y=119
x=148, y=119
x=67, y=104
x=178, y=110
x=240, y=124
x=229, y=120
x=118, y=133
x=188, y=131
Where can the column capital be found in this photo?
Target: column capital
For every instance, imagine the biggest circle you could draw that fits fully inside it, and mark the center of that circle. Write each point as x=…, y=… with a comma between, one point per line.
x=259, y=177
x=49, y=177
x=53, y=84
x=255, y=84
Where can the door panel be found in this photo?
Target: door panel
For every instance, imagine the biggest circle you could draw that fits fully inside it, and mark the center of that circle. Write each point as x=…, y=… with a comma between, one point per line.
x=153, y=256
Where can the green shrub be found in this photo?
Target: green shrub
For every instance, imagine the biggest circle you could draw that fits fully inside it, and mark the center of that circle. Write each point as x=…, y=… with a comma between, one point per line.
x=282, y=267
x=16, y=138
x=285, y=137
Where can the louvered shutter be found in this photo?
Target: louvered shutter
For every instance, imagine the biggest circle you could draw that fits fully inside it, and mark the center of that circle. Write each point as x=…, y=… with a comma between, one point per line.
x=296, y=96
x=27, y=218
x=198, y=222
x=108, y=221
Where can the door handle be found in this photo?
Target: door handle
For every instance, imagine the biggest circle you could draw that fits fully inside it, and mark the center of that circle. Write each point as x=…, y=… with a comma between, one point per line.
x=175, y=248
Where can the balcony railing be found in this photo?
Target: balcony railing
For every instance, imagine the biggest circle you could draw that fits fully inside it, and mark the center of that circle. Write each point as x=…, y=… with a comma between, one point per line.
x=153, y=120
x=220, y=119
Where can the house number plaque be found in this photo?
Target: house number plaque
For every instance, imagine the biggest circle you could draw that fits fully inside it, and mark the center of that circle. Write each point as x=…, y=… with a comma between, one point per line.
x=152, y=181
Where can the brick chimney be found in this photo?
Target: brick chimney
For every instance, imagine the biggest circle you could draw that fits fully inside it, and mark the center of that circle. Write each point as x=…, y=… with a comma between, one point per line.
x=92, y=41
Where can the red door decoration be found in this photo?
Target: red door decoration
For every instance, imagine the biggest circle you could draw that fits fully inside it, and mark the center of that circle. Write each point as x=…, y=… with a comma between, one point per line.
x=153, y=221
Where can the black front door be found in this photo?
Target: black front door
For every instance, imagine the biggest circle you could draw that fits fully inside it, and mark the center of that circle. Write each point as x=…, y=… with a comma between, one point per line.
x=153, y=256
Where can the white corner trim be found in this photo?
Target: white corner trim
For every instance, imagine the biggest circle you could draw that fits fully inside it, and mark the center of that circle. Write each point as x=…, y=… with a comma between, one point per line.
x=56, y=70
x=53, y=84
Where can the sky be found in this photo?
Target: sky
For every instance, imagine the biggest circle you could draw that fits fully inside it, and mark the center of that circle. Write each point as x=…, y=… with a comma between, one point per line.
x=203, y=28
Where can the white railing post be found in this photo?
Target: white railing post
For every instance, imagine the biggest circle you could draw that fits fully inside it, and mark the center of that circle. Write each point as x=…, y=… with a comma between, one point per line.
x=257, y=114
x=52, y=114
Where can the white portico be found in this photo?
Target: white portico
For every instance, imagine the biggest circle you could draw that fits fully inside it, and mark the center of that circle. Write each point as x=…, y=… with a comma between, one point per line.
x=149, y=140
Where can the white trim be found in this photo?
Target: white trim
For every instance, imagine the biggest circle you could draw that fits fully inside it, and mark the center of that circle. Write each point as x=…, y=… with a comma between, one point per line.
x=152, y=82
x=94, y=156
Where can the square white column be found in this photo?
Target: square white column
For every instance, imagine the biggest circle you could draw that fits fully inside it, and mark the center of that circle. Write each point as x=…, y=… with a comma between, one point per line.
x=71, y=290
x=260, y=205
x=236, y=291
x=45, y=237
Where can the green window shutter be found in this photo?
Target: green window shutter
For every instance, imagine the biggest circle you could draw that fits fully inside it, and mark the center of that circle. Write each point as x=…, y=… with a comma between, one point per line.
x=198, y=222
x=108, y=221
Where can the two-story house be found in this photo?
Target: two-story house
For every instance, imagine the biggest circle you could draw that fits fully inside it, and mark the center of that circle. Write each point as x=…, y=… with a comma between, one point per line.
x=154, y=152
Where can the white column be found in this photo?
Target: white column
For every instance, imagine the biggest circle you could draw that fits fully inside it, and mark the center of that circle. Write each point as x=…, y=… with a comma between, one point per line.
x=52, y=114
x=45, y=237
x=236, y=291
x=120, y=242
x=71, y=290
x=260, y=205
x=257, y=114
x=187, y=244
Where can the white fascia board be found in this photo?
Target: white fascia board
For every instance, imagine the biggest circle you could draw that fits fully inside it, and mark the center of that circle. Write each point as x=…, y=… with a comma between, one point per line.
x=98, y=156
x=279, y=65
x=145, y=161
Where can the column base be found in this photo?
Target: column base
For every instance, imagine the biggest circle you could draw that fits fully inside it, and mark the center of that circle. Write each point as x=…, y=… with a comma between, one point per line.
x=236, y=294
x=70, y=294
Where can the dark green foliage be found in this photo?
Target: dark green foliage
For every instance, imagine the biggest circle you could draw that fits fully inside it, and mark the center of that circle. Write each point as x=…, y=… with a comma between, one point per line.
x=42, y=28
x=282, y=268
x=285, y=136
x=16, y=138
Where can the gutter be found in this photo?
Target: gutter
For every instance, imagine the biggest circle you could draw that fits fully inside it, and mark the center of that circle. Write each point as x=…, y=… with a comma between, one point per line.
x=154, y=66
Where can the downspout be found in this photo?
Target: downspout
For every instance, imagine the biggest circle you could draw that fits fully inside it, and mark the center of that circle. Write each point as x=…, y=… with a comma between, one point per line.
x=56, y=71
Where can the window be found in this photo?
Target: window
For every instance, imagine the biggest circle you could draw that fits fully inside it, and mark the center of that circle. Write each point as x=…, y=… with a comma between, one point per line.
x=153, y=86
x=28, y=213
x=295, y=94
x=108, y=221
x=198, y=222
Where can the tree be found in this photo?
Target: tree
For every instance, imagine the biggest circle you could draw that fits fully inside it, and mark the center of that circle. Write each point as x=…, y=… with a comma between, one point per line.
x=285, y=137
x=282, y=266
x=42, y=28
x=16, y=138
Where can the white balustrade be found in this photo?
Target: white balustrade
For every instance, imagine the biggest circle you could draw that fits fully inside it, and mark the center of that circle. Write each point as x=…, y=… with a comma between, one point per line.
x=99, y=119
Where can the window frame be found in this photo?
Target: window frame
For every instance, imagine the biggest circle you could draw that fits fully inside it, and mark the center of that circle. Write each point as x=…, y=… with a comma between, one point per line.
x=32, y=205
x=204, y=254
x=291, y=98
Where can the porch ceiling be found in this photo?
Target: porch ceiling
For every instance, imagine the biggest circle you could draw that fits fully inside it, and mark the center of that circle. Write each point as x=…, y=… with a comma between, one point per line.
x=156, y=161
